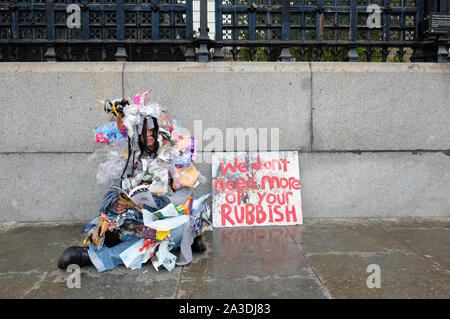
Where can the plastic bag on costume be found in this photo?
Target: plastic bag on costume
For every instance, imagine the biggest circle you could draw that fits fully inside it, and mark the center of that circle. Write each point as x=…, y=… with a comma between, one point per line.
x=139, y=253
x=163, y=257
x=109, y=133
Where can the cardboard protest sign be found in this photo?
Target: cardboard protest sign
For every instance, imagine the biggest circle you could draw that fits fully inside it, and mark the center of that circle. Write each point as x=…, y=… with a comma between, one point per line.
x=256, y=189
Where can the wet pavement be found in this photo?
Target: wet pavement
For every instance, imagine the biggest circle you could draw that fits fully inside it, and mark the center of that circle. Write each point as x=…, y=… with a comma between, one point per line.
x=324, y=258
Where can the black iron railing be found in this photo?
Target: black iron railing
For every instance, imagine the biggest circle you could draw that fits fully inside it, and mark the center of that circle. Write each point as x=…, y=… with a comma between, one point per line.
x=324, y=30
x=248, y=30
x=108, y=30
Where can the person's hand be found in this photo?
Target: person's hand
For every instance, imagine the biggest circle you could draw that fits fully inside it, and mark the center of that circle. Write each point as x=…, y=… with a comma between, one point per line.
x=121, y=206
x=139, y=207
x=138, y=227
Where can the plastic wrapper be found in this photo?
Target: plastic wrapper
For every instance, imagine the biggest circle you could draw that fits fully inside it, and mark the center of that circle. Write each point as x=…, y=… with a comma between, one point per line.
x=139, y=99
x=112, y=160
x=168, y=211
x=168, y=124
x=197, y=204
x=185, y=176
x=181, y=139
x=162, y=234
x=186, y=207
x=109, y=133
x=129, y=228
x=200, y=214
x=167, y=154
x=193, y=149
x=166, y=224
x=139, y=253
x=158, y=177
x=182, y=158
x=163, y=257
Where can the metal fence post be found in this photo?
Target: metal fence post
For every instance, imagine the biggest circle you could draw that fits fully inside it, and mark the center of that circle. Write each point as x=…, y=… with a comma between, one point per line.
x=218, y=50
x=50, y=54
x=121, y=53
x=189, y=54
x=202, y=52
x=352, y=54
x=285, y=55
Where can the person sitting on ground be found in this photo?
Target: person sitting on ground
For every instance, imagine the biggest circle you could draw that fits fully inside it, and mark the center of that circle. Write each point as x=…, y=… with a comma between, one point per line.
x=115, y=242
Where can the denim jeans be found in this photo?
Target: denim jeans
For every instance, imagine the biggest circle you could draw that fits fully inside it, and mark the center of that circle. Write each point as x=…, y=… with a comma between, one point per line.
x=108, y=258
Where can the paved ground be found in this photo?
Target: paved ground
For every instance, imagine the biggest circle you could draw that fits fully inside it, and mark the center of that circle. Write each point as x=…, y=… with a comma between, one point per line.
x=321, y=259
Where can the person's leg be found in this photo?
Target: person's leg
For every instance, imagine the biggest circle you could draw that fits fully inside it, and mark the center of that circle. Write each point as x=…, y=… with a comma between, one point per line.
x=108, y=258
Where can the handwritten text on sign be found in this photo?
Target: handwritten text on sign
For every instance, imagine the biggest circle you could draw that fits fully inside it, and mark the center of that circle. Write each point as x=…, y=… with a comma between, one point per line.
x=256, y=189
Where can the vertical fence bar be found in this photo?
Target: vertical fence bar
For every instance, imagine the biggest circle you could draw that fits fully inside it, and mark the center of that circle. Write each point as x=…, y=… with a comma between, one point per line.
x=218, y=50
x=252, y=20
x=121, y=53
x=50, y=54
x=202, y=52
x=85, y=20
x=285, y=55
x=155, y=20
x=352, y=54
x=189, y=54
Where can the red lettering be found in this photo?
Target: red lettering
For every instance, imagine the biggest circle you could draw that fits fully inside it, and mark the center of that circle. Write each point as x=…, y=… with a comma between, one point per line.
x=276, y=161
x=271, y=199
x=243, y=167
x=249, y=216
x=240, y=183
x=291, y=212
x=228, y=166
x=270, y=214
x=295, y=183
x=261, y=197
x=230, y=185
x=228, y=200
x=239, y=219
x=257, y=165
x=251, y=182
x=272, y=180
x=281, y=199
x=277, y=211
x=287, y=197
x=220, y=182
x=225, y=211
x=241, y=194
x=260, y=215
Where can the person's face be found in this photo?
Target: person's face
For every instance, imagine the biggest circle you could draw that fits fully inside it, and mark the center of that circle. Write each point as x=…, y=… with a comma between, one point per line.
x=150, y=138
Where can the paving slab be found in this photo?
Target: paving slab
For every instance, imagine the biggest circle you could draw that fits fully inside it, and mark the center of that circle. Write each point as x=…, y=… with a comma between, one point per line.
x=429, y=238
x=402, y=275
x=354, y=235
x=297, y=287
x=260, y=252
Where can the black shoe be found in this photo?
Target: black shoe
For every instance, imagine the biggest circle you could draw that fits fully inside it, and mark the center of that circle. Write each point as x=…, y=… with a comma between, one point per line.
x=74, y=255
x=198, y=245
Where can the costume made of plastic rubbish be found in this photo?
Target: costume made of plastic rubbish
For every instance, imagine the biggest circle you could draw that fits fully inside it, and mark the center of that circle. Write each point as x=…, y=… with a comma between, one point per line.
x=155, y=178
x=108, y=258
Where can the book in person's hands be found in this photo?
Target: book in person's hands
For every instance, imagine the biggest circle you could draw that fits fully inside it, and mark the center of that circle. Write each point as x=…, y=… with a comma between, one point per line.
x=137, y=195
